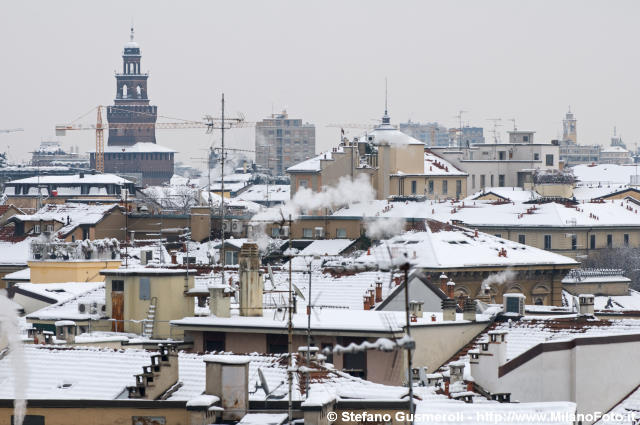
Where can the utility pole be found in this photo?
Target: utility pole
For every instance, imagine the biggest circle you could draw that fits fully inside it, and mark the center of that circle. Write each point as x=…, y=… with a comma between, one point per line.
x=222, y=127
x=309, y=306
x=290, y=329
x=409, y=344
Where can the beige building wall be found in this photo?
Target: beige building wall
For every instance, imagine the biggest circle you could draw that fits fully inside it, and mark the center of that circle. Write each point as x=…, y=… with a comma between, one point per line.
x=435, y=344
x=99, y=416
x=561, y=238
x=443, y=187
x=172, y=302
x=54, y=271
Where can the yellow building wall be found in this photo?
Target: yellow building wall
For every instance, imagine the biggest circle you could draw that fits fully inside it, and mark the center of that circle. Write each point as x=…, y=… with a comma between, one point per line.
x=53, y=271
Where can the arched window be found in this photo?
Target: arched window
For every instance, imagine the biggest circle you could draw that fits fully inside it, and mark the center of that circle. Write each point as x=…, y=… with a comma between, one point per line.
x=539, y=301
x=139, y=92
x=124, y=91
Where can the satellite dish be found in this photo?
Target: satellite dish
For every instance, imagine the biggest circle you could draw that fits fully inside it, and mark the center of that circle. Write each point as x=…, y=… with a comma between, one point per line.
x=263, y=382
x=298, y=291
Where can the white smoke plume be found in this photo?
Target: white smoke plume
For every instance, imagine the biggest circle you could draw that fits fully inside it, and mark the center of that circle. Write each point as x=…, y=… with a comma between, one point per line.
x=10, y=337
x=497, y=279
x=384, y=228
x=346, y=192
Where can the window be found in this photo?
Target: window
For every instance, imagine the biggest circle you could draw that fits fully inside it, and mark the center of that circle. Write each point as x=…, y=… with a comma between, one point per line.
x=536, y=157
x=307, y=233
x=445, y=187
x=31, y=420
x=213, y=341
x=473, y=181
x=497, y=235
x=145, y=288
x=458, y=188
x=231, y=257
x=85, y=233
x=525, y=138
x=117, y=285
x=482, y=181
x=626, y=239
x=341, y=233
x=303, y=183
x=574, y=242
x=414, y=187
x=609, y=241
x=36, y=228
x=501, y=180
x=549, y=160
x=275, y=232
x=502, y=155
x=431, y=186
x=491, y=180
x=277, y=343
x=592, y=242
x=547, y=242
x=522, y=239
x=49, y=227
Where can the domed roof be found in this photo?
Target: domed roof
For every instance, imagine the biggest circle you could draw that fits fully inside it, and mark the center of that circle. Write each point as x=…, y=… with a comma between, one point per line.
x=131, y=44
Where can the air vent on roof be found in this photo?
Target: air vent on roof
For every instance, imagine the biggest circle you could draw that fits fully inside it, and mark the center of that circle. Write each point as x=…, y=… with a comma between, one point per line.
x=82, y=308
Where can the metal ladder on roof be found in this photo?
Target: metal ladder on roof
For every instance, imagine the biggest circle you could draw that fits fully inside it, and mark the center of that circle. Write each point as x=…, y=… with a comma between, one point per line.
x=149, y=324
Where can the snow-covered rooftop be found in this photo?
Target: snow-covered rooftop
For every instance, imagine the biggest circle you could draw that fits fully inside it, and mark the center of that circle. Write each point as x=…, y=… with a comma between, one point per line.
x=68, y=309
x=605, y=173
x=490, y=213
x=314, y=164
x=60, y=292
x=515, y=194
x=435, y=165
x=71, y=215
x=103, y=374
x=258, y=192
x=73, y=179
x=444, y=246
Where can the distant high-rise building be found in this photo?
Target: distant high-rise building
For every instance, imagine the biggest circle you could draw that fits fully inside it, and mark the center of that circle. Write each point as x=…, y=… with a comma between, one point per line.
x=431, y=134
x=131, y=149
x=282, y=142
x=470, y=136
x=569, y=130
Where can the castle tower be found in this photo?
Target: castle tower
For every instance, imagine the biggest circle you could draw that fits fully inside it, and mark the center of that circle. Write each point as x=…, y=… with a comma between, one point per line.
x=131, y=119
x=132, y=151
x=569, y=131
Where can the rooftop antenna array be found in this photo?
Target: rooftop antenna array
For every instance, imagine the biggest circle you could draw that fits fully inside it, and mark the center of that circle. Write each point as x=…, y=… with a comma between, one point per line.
x=494, y=131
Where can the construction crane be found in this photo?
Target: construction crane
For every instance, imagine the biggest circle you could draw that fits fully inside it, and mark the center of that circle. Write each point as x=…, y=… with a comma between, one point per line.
x=209, y=123
x=10, y=130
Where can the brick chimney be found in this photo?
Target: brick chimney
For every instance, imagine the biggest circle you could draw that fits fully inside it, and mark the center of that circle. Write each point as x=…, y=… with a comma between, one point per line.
x=250, y=284
x=228, y=378
x=159, y=376
x=378, y=290
x=443, y=282
x=219, y=301
x=451, y=286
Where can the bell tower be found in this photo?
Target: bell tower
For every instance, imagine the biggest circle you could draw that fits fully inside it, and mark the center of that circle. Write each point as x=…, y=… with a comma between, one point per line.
x=569, y=130
x=131, y=118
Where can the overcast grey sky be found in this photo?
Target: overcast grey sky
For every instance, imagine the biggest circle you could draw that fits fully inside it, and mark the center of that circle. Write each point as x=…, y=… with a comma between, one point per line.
x=325, y=62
